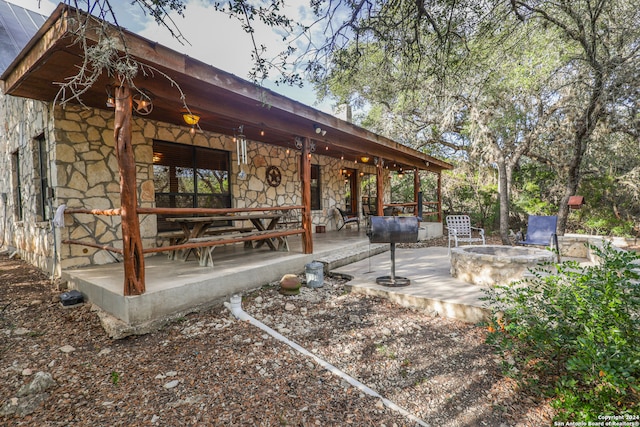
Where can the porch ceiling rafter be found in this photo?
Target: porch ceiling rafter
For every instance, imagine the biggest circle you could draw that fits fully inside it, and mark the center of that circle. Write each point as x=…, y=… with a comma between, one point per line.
x=223, y=100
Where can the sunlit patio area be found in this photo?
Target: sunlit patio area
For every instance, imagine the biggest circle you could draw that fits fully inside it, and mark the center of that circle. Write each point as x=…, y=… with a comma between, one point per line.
x=175, y=286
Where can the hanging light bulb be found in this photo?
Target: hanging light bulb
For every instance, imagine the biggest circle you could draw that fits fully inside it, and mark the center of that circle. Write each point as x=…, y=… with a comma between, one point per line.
x=192, y=120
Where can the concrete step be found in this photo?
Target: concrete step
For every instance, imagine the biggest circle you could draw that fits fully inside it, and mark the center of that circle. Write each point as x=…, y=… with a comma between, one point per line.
x=351, y=254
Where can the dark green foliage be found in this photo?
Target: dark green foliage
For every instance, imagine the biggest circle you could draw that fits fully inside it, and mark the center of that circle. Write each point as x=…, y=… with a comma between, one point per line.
x=472, y=192
x=612, y=207
x=581, y=328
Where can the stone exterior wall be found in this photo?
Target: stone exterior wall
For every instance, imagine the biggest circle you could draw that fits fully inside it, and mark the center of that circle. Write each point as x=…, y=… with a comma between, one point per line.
x=579, y=245
x=23, y=121
x=84, y=174
x=257, y=192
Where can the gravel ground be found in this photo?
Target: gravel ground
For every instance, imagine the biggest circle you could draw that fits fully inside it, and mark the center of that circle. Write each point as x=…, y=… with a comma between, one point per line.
x=58, y=368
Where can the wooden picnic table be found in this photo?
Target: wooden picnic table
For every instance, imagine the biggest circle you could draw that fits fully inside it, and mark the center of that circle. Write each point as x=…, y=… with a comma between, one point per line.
x=196, y=226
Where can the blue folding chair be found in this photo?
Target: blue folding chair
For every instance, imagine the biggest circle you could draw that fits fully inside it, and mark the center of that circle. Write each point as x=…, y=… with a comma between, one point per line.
x=541, y=231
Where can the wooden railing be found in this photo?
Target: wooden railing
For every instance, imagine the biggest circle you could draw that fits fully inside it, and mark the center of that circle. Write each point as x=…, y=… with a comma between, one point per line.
x=173, y=211
x=436, y=212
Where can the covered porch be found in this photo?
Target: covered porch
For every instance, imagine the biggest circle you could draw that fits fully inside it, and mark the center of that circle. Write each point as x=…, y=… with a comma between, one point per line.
x=109, y=148
x=176, y=287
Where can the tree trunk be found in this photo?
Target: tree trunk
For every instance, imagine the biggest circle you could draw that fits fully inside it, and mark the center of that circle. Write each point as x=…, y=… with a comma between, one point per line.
x=131, y=240
x=504, y=201
x=571, y=186
x=584, y=129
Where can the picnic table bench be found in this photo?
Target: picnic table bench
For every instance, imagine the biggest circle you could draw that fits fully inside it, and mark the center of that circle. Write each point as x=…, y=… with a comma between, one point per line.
x=198, y=234
x=207, y=244
x=176, y=237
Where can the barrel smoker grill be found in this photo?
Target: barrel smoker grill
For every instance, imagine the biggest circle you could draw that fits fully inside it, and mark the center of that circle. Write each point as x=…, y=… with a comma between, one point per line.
x=392, y=230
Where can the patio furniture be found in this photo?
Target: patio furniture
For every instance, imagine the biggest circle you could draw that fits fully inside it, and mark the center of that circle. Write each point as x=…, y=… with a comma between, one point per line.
x=176, y=237
x=366, y=212
x=390, y=211
x=460, y=230
x=291, y=218
x=541, y=231
x=346, y=219
x=194, y=230
x=207, y=244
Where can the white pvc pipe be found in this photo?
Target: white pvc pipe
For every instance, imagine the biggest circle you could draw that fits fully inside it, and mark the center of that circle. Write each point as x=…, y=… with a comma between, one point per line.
x=235, y=306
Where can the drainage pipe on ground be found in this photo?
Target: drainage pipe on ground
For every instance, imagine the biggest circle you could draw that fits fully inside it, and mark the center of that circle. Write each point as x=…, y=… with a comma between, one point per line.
x=235, y=306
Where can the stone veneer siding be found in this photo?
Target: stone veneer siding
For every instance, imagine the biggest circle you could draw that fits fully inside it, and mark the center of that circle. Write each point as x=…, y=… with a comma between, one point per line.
x=84, y=173
x=23, y=121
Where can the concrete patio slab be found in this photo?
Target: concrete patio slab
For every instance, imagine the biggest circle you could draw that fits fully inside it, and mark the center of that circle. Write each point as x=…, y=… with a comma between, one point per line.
x=432, y=288
x=175, y=287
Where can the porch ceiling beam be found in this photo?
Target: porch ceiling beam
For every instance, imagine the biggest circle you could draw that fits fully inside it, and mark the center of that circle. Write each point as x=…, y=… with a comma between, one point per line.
x=283, y=123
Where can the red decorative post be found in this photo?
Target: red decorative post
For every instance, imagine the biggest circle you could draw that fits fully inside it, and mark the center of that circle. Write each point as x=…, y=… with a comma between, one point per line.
x=440, y=197
x=380, y=188
x=307, y=241
x=131, y=240
x=416, y=190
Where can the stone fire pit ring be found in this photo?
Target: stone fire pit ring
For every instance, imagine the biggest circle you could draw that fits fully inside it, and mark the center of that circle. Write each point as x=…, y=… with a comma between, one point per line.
x=495, y=264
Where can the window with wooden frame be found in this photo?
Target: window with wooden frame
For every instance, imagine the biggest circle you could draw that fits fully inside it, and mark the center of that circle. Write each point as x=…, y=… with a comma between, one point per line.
x=41, y=166
x=16, y=181
x=185, y=176
x=350, y=191
x=315, y=188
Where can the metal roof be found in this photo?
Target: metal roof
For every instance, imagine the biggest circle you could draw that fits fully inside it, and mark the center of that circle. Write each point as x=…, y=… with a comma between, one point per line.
x=17, y=26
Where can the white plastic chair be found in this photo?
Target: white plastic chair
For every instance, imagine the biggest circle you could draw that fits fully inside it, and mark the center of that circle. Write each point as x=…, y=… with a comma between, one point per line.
x=460, y=230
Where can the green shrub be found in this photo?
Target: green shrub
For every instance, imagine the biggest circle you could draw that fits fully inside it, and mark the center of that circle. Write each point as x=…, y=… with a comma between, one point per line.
x=606, y=226
x=580, y=328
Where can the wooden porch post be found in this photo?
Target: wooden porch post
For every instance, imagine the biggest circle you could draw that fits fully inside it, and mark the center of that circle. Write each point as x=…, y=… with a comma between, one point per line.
x=416, y=189
x=439, y=197
x=307, y=240
x=379, y=187
x=131, y=240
